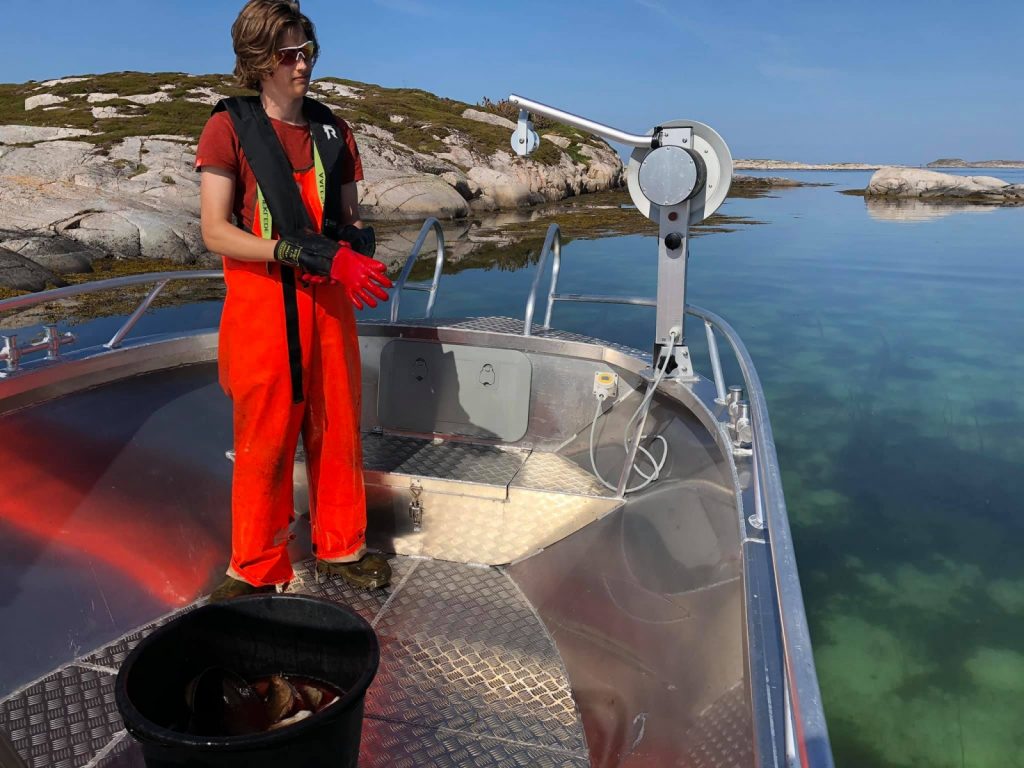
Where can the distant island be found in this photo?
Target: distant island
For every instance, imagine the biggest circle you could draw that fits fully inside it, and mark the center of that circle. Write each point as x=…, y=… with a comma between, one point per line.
x=741, y=164
x=956, y=162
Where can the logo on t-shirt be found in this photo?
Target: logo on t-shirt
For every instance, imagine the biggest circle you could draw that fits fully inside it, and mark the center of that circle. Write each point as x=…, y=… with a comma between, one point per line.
x=331, y=133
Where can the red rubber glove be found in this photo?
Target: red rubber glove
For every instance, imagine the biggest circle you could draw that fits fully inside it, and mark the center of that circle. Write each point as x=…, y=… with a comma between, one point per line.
x=360, y=276
x=310, y=279
x=320, y=260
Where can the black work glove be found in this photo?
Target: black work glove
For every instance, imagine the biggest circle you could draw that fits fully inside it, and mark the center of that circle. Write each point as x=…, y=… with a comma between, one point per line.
x=307, y=252
x=320, y=261
x=363, y=240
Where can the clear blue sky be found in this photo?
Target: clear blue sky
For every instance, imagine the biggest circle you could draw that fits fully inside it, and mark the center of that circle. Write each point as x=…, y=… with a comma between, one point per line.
x=901, y=81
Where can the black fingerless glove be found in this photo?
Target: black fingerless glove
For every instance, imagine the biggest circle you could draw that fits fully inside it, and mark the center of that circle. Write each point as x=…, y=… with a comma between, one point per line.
x=363, y=240
x=309, y=252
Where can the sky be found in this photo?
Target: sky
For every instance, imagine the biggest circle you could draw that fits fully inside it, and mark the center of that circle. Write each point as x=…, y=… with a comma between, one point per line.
x=901, y=81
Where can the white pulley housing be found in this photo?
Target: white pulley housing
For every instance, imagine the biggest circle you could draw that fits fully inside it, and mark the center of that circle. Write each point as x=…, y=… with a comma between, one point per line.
x=669, y=174
x=524, y=140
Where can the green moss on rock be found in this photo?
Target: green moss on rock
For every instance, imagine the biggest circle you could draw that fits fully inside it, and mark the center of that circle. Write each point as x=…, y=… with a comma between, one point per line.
x=428, y=119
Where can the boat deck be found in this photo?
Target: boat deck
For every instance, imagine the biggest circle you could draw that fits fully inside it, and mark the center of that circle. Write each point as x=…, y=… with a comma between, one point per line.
x=468, y=676
x=115, y=520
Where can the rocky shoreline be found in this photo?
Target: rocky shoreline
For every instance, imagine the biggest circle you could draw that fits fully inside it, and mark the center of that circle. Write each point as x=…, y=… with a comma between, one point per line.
x=100, y=166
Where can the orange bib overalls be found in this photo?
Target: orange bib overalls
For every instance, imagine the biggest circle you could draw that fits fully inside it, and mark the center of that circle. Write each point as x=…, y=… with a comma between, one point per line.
x=254, y=372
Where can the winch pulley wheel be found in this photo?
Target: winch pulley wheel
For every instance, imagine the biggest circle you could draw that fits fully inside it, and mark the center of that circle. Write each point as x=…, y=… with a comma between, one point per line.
x=678, y=175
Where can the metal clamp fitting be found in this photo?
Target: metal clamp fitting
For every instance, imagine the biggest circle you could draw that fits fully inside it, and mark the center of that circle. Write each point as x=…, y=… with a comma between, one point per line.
x=10, y=353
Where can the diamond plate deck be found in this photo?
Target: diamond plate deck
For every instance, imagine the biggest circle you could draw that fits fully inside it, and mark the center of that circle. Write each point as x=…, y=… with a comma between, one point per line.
x=122, y=752
x=468, y=462
x=465, y=651
x=551, y=472
x=464, y=462
x=398, y=745
x=475, y=530
x=720, y=733
x=516, y=503
x=468, y=676
x=63, y=720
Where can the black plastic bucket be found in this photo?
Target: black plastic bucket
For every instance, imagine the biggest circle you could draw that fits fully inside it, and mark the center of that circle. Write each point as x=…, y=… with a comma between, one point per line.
x=254, y=636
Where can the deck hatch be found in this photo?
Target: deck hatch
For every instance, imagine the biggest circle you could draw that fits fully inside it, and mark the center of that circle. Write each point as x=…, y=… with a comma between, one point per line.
x=456, y=390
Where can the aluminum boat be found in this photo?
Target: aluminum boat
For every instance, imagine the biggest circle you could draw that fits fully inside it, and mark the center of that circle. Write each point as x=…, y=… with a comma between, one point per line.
x=592, y=559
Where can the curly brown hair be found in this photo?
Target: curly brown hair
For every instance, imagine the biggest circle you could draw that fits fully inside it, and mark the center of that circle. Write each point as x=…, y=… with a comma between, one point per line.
x=255, y=35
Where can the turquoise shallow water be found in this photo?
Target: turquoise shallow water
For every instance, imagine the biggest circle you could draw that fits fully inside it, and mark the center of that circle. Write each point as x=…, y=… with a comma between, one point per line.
x=889, y=341
x=890, y=350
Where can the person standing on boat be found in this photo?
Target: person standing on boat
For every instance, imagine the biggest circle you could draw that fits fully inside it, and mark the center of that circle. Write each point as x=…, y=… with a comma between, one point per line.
x=279, y=203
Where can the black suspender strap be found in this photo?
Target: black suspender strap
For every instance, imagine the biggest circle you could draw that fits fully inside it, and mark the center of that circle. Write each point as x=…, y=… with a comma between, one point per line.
x=291, y=325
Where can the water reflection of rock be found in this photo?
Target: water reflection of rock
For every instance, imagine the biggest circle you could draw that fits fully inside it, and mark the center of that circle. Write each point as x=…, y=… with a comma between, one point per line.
x=910, y=209
x=510, y=240
x=483, y=241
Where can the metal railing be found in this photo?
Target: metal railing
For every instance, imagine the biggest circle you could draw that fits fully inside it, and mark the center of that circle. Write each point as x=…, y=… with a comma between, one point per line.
x=396, y=296
x=12, y=354
x=553, y=247
x=804, y=712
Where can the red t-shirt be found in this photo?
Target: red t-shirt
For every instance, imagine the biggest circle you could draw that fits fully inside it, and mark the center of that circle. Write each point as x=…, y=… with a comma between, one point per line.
x=219, y=148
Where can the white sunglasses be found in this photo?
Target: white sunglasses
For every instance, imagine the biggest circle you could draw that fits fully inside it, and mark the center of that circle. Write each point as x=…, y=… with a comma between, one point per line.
x=296, y=53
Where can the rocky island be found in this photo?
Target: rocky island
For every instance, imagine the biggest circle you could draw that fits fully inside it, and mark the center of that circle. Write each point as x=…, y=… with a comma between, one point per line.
x=956, y=162
x=931, y=185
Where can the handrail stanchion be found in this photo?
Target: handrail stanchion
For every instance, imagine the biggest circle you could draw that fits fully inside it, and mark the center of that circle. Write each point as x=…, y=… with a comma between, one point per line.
x=10, y=353
x=556, y=265
x=553, y=241
x=756, y=519
x=396, y=294
x=553, y=245
x=124, y=330
x=716, y=363
x=438, y=266
x=792, y=759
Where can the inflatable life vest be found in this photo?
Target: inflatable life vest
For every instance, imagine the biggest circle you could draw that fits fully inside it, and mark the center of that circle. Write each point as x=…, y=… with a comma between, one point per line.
x=278, y=202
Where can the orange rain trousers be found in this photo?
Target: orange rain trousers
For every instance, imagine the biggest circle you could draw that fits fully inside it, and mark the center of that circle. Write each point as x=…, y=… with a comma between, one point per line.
x=254, y=372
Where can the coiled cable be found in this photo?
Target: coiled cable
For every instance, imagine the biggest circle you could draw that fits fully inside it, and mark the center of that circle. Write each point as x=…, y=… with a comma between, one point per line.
x=639, y=414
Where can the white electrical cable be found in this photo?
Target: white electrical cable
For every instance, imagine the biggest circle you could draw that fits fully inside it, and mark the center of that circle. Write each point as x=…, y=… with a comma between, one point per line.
x=641, y=412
